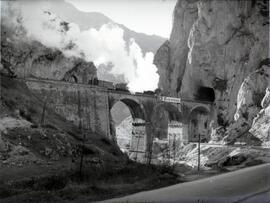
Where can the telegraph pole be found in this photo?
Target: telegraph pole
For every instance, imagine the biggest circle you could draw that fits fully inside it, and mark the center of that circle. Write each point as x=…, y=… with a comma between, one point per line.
x=82, y=154
x=81, y=132
x=46, y=100
x=138, y=141
x=199, y=152
x=174, y=148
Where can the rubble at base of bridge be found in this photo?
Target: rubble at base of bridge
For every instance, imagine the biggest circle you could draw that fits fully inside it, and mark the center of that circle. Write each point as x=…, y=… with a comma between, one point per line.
x=229, y=157
x=247, y=151
x=212, y=156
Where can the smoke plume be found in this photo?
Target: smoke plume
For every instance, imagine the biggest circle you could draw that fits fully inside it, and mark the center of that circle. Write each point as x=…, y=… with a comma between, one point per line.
x=103, y=46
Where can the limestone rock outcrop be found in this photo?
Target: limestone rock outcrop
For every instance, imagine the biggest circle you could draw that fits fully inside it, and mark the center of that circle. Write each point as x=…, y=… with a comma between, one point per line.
x=171, y=57
x=261, y=123
x=249, y=99
x=213, y=47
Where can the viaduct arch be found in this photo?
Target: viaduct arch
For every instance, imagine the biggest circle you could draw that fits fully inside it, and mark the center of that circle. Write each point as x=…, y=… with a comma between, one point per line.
x=136, y=108
x=199, y=120
x=136, y=140
x=164, y=114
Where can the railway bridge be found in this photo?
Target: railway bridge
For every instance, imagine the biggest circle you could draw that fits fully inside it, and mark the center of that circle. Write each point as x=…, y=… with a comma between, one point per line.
x=89, y=106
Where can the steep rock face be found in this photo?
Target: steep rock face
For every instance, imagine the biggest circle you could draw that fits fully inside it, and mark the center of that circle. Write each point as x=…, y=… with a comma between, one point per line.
x=261, y=123
x=162, y=60
x=249, y=99
x=213, y=47
x=251, y=93
x=23, y=57
x=171, y=57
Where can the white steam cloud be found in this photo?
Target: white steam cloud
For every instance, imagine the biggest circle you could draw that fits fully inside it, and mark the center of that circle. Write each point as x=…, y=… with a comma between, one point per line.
x=102, y=46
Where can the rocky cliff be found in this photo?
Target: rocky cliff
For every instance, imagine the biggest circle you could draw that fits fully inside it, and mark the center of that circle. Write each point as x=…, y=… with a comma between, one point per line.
x=249, y=105
x=171, y=57
x=261, y=124
x=214, y=46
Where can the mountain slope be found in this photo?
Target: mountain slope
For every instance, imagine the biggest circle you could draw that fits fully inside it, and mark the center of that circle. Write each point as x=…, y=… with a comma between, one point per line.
x=86, y=20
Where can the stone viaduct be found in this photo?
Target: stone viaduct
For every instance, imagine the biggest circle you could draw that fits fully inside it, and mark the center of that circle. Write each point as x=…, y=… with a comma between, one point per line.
x=89, y=106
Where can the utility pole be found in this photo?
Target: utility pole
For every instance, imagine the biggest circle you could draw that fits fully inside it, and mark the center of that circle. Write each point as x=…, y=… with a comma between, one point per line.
x=138, y=141
x=199, y=152
x=174, y=148
x=43, y=113
x=82, y=154
x=42, y=120
x=82, y=132
x=79, y=110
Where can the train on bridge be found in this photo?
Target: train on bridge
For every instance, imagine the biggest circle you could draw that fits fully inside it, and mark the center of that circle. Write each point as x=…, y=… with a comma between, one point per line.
x=123, y=87
x=118, y=87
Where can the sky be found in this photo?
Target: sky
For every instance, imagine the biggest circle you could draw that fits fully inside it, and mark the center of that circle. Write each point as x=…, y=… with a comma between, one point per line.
x=146, y=16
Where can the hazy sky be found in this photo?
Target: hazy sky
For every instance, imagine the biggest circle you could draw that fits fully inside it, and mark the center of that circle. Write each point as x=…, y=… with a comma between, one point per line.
x=147, y=16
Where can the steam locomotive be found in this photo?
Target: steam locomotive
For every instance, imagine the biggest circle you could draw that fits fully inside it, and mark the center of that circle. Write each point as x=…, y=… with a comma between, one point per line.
x=110, y=85
x=119, y=87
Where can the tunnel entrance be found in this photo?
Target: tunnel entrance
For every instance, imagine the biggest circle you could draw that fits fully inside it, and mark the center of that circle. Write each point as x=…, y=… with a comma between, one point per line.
x=199, y=125
x=205, y=94
x=128, y=128
x=74, y=79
